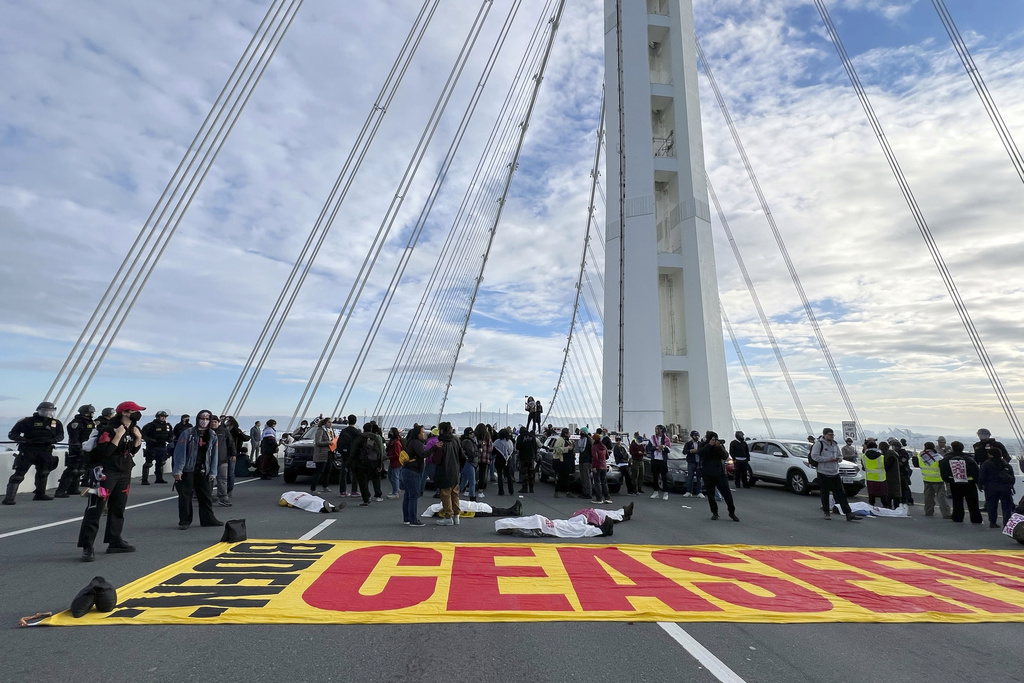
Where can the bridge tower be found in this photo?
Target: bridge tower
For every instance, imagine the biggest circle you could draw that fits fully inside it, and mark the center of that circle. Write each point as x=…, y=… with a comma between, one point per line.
x=664, y=356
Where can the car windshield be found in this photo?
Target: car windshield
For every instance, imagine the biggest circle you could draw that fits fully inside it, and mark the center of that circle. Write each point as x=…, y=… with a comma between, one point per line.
x=676, y=452
x=798, y=449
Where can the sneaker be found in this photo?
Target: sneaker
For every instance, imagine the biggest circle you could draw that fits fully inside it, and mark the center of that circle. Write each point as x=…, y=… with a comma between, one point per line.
x=364, y=505
x=405, y=523
x=687, y=495
x=596, y=501
x=828, y=516
x=702, y=496
x=481, y=495
x=378, y=499
x=443, y=521
x=607, y=502
x=664, y=496
x=224, y=503
x=392, y=496
x=654, y=496
x=417, y=523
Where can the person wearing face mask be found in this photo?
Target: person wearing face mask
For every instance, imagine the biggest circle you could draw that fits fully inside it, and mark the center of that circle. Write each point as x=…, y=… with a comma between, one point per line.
x=194, y=468
x=109, y=480
x=35, y=436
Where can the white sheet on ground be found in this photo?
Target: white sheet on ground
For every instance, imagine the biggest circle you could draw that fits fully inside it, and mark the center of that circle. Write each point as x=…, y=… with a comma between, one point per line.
x=464, y=505
x=875, y=511
x=306, y=501
x=574, y=527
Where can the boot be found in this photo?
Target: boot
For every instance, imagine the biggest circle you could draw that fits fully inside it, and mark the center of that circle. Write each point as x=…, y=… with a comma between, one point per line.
x=160, y=474
x=145, y=475
x=40, y=492
x=852, y=518
x=12, y=490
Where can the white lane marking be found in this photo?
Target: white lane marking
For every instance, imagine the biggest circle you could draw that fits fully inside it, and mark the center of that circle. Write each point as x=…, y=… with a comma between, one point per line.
x=710, y=662
x=79, y=518
x=317, y=529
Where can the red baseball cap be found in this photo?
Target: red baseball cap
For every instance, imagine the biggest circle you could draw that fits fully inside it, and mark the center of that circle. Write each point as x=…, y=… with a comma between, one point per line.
x=128, y=406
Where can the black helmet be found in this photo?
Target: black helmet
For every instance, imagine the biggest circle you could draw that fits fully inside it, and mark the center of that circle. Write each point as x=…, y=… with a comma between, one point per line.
x=45, y=405
x=108, y=412
x=87, y=409
x=161, y=413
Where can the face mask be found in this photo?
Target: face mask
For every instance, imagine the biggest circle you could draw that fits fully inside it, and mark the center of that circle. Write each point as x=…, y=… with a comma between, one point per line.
x=203, y=422
x=135, y=417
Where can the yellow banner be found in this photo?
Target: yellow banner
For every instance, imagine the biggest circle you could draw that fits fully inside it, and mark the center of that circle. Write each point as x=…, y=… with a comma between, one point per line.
x=346, y=582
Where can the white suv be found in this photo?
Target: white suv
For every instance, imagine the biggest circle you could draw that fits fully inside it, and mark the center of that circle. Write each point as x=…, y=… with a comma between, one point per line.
x=782, y=461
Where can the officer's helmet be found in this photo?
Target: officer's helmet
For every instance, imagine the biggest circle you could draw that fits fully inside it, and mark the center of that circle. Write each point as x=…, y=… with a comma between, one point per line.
x=108, y=412
x=87, y=409
x=162, y=413
x=45, y=405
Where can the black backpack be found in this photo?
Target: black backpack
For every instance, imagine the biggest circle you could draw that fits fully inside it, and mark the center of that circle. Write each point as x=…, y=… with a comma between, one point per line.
x=1006, y=475
x=370, y=451
x=344, y=441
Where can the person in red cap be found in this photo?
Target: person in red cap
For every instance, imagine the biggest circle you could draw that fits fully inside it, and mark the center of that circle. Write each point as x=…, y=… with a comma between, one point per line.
x=111, y=464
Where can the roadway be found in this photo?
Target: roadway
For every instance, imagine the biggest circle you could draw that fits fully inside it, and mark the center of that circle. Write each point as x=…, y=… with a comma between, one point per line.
x=42, y=572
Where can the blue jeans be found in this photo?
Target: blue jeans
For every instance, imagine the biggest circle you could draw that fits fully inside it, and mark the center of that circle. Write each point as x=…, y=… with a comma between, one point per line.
x=469, y=479
x=411, y=482
x=394, y=476
x=691, y=479
x=429, y=470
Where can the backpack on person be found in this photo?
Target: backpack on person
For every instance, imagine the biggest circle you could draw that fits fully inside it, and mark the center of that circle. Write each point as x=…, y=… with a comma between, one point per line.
x=810, y=454
x=1005, y=474
x=370, y=451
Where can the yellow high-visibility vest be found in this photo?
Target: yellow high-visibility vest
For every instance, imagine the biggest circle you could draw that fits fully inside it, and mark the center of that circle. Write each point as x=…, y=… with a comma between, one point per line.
x=874, y=470
x=930, y=472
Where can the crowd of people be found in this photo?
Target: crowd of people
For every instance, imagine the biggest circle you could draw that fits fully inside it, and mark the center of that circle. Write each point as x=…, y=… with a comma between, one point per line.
x=206, y=457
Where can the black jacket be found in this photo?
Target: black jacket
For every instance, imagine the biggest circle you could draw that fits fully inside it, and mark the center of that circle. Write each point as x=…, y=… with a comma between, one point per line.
x=946, y=471
x=712, y=460
x=416, y=453
x=79, y=432
x=739, y=450
x=989, y=480
x=37, y=434
x=114, y=457
x=157, y=434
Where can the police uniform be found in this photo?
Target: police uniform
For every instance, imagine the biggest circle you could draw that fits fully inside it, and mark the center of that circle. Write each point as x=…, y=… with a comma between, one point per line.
x=35, y=436
x=79, y=432
x=157, y=435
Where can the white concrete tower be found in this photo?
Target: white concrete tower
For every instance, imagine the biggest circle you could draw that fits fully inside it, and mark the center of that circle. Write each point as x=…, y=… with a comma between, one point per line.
x=672, y=368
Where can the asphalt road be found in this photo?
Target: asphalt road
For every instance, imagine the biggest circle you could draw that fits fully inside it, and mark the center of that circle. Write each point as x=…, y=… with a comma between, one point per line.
x=42, y=572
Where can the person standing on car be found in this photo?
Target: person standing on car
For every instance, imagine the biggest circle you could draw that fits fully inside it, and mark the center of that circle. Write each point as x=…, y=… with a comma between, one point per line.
x=712, y=457
x=826, y=456
x=934, y=487
x=412, y=471
x=599, y=461
x=35, y=436
x=79, y=432
x=739, y=449
x=692, y=451
x=563, y=463
x=503, y=449
x=194, y=466
x=448, y=457
x=110, y=479
x=637, y=451
x=659, y=447
x=323, y=438
x=960, y=471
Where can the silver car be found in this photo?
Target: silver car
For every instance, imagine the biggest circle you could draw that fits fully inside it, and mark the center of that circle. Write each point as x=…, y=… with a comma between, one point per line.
x=782, y=461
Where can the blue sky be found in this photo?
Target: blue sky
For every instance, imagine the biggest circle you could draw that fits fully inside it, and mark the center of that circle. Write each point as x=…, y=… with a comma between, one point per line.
x=100, y=102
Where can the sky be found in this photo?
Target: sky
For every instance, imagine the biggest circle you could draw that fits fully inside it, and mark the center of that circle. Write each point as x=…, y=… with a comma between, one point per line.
x=100, y=102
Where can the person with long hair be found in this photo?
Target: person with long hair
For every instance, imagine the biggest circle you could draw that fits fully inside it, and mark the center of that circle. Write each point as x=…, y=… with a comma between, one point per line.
x=395, y=448
x=412, y=472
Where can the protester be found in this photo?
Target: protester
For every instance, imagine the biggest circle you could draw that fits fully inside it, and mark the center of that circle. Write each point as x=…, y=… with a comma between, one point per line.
x=713, y=457
x=110, y=480
x=226, y=455
x=637, y=451
x=621, y=457
x=562, y=463
x=395, y=448
x=960, y=471
x=599, y=461
x=659, y=447
x=583, y=451
x=874, y=474
x=503, y=449
x=412, y=471
x=485, y=447
x=934, y=488
x=448, y=456
x=183, y=424
x=893, y=483
x=996, y=479
x=267, y=465
x=470, y=457
x=826, y=456
x=692, y=451
x=526, y=447
x=323, y=456
x=194, y=467
x=739, y=450
x=345, y=455
x=368, y=452
x=255, y=436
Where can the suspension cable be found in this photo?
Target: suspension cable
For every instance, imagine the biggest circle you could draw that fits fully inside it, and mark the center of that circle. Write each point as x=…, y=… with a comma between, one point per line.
x=790, y=266
x=760, y=310
x=925, y=230
x=524, y=127
x=746, y=373
x=994, y=115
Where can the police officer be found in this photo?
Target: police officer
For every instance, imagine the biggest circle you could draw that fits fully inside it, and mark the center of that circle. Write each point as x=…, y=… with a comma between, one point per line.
x=35, y=436
x=79, y=432
x=157, y=434
x=117, y=441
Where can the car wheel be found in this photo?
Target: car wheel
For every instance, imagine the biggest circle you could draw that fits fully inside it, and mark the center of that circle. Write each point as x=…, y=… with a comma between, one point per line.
x=290, y=477
x=797, y=482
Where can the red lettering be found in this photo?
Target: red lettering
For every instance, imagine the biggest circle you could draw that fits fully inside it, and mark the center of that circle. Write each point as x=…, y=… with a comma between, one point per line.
x=843, y=583
x=474, y=585
x=786, y=595
x=935, y=583
x=338, y=587
x=598, y=592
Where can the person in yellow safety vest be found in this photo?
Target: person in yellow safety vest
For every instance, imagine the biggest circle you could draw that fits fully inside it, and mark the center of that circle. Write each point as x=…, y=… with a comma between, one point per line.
x=874, y=473
x=934, y=487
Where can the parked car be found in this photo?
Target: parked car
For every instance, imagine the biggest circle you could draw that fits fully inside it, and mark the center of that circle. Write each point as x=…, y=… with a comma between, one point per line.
x=547, y=470
x=298, y=459
x=677, y=468
x=781, y=461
